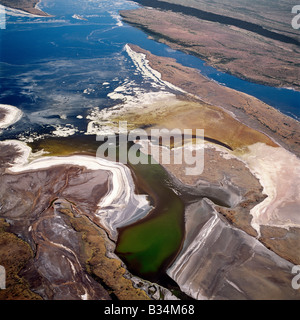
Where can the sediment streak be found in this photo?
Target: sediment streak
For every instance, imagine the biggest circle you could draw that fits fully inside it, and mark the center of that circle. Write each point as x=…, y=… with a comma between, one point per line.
x=120, y=206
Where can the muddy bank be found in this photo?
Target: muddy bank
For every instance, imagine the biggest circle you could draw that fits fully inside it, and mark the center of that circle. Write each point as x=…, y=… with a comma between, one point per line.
x=117, y=206
x=14, y=255
x=231, y=49
x=242, y=184
x=53, y=210
x=195, y=11
x=247, y=109
x=222, y=262
x=8, y=154
x=29, y=6
x=273, y=18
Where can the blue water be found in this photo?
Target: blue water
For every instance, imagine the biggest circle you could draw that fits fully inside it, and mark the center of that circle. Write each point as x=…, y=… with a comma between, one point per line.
x=47, y=63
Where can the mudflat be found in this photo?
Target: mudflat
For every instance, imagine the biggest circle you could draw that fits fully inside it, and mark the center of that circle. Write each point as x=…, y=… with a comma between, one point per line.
x=245, y=108
x=252, y=130
x=234, y=50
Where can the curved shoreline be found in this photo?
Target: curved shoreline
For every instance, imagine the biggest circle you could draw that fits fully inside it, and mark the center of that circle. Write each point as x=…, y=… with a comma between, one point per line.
x=222, y=19
x=278, y=172
x=243, y=107
x=121, y=206
x=253, y=58
x=120, y=196
x=9, y=115
x=159, y=196
x=71, y=205
x=32, y=10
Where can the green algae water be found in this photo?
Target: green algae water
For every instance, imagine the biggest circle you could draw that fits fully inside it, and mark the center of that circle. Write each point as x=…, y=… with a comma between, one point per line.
x=149, y=245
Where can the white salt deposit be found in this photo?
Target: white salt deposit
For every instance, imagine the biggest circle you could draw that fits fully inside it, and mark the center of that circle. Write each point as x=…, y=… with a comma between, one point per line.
x=279, y=173
x=12, y=115
x=119, y=207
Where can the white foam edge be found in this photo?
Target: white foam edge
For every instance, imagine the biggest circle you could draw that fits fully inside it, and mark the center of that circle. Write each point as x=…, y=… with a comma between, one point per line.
x=268, y=165
x=12, y=115
x=142, y=65
x=120, y=194
x=20, y=13
x=23, y=148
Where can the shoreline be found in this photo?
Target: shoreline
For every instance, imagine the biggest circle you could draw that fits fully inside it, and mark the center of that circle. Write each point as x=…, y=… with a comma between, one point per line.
x=33, y=9
x=29, y=164
x=9, y=115
x=273, y=167
x=245, y=108
x=120, y=180
x=228, y=19
x=250, y=63
x=245, y=151
x=67, y=206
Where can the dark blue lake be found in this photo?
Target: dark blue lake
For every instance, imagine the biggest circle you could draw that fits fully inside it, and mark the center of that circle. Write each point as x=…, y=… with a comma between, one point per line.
x=59, y=67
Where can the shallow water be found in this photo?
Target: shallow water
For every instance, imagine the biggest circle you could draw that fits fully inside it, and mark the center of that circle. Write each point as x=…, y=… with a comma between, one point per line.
x=149, y=245
x=57, y=68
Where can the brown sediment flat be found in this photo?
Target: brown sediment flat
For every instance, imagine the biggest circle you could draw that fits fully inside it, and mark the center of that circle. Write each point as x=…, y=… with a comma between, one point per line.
x=66, y=252
x=222, y=262
x=225, y=180
x=185, y=112
x=8, y=153
x=27, y=203
x=228, y=48
x=228, y=181
x=245, y=108
x=275, y=17
x=14, y=255
x=224, y=176
x=285, y=242
x=24, y=5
